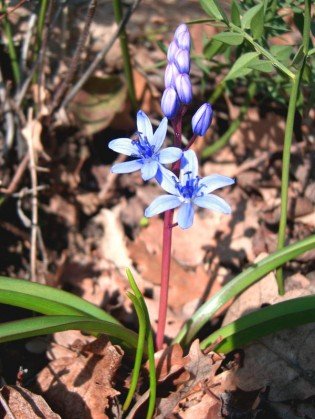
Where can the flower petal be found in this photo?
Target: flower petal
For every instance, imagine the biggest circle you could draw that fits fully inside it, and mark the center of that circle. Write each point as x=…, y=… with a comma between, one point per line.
x=144, y=126
x=167, y=180
x=162, y=203
x=185, y=216
x=149, y=169
x=214, y=182
x=189, y=163
x=127, y=167
x=170, y=155
x=124, y=146
x=159, y=135
x=214, y=203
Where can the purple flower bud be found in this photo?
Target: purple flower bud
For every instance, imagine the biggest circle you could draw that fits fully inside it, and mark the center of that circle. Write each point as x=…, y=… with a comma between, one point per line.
x=171, y=72
x=183, y=88
x=202, y=119
x=170, y=103
x=182, y=37
x=182, y=61
x=172, y=51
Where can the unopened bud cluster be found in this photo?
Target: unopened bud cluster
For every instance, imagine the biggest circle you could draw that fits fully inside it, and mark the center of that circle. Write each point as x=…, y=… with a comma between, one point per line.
x=178, y=89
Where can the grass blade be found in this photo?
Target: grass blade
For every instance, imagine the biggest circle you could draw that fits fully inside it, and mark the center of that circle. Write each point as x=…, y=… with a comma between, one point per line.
x=44, y=325
x=239, y=284
x=47, y=300
x=286, y=314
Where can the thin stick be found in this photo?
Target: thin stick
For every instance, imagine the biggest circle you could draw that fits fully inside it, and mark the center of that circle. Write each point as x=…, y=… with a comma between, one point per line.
x=12, y=9
x=126, y=55
x=100, y=56
x=76, y=57
x=17, y=177
x=289, y=127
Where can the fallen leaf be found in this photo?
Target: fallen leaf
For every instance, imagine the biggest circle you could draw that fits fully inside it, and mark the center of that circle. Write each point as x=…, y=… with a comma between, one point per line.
x=22, y=404
x=95, y=106
x=80, y=386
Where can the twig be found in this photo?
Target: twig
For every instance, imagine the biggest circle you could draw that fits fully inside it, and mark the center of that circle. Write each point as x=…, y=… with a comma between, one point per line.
x=100, y=56
x=12, y=9
x=6, y=407
x=76, y=57
x=8, y=114
x=27, y=40
x=17, y=177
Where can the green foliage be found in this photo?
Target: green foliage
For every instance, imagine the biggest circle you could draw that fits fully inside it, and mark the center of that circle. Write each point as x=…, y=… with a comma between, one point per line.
x=239, y=284
x=287, y=314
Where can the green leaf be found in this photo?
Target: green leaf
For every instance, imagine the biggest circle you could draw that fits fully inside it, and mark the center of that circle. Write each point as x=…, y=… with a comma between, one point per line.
x=214, y=47
x=298, y=59
x=235, y=13
x=43, y=325
x=47, y=300
x=240, y=67
x=230, y=38
x=248, y=16
x=261, y=65
x=281, y=52
x=240, y=283
x=213, y=8
x=257, y=22
x=287, y=314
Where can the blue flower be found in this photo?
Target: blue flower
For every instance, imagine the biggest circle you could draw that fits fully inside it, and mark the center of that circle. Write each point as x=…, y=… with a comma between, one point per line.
x=145, y=149
x=189, y=190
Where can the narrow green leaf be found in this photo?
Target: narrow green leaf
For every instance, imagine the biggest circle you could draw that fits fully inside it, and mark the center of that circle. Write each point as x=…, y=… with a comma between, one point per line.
x=240, y=67
x=43, y=325
x=235, y=13
x=248, y=16
x=213, y=8
x=230, y=38
x=287, y=314
x=240, y=283
x=21, y=293
x=214, y=47
x=257, y=22
x=298, y=59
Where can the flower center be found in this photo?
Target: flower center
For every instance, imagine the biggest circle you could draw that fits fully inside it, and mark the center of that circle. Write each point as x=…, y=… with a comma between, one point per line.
x=190, y=188
x=145, y=149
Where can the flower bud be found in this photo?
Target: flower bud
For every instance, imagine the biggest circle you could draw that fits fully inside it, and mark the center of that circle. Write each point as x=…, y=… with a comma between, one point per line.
x=182, y=37
x=183, y=88
x=182, y=61
x=172, y=51
x=171, y=72
x=202, y=119
x=170, y=103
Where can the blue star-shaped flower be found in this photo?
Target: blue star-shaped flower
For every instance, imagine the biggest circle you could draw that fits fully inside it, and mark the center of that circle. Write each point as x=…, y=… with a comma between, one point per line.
x=189, y=190
x=146, y=149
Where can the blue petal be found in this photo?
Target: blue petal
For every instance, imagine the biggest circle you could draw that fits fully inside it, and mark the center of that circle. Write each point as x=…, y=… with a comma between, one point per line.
x=144, y=126
x=162, y=203
x=214, y=203
x=149, y=169
x=170, y=155
x=189, y=163
x=159, y=135
x=185, y=216
x=214, y=182
x=167, y=180
x=124, y=146
x=127, y=167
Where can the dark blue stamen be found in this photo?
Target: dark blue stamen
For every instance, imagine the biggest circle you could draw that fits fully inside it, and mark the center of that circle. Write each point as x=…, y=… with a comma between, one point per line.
x=145, y=149
x=191, y=188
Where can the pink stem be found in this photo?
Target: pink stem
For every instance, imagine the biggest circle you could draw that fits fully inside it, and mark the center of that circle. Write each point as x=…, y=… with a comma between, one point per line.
x=167, y=246
x=165, y=275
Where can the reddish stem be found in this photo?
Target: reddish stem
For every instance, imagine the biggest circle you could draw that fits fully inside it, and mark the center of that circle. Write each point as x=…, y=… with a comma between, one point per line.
x=165, y=275
x=167, y=245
